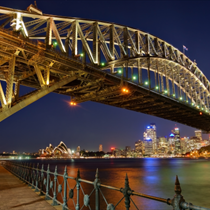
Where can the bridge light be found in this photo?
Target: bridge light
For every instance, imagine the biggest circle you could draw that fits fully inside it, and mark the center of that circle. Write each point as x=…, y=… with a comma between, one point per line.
x=202, y=108
x=103, y=64
x=165, y=91
x=174, y=95
x=134, y=77
x=197, y=107
x=186, y=101
x=125, y=90
x=81, y=54
x=192, y=104
x=146, y=83
x=55, y=43
x=156, y=87
x=73, y=103
x=180, y=98
x=201, y=113
x=119, y=71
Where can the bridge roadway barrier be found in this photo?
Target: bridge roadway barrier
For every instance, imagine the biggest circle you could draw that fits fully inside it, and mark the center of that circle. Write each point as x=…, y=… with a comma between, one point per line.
x=14, y=194
x=56, y=189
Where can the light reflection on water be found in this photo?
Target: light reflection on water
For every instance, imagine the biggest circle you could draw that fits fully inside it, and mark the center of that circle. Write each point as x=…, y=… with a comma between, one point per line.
x=149, y=176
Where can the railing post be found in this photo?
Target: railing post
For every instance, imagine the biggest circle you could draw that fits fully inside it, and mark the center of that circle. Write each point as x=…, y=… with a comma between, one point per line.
x=33, y=177
x=37, y=177
x=25, y=173
x=126, y=193
x=78, y=188
x=65, y=178
x=178, y=198
x=54, y=203
x=97, y=195
x=30, y=175
x=48, y=180
x=41, y=181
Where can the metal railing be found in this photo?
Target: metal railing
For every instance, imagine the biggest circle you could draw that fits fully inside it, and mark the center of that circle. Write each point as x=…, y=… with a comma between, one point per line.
x=51, y=185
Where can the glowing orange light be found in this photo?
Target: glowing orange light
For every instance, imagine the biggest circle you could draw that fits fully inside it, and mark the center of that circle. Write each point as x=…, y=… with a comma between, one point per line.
x=112, y=148
x=75, y=104
x=201, y=113
x=125, y=90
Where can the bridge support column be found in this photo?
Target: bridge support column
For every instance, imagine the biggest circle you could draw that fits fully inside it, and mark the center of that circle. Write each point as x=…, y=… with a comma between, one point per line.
x=139, y=71
x=112, y=40
x=17, y=89
x=158, y=77
x=74, y=38
x=95, y=43
x=10, y=80
x=148, y=73
x=173, y=86
x=48, y=39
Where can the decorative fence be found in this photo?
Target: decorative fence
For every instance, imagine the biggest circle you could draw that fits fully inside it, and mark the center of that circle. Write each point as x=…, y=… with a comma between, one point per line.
x=51, y=185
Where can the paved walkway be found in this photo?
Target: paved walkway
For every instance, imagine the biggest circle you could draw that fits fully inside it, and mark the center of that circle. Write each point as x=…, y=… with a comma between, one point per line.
x=16, y=195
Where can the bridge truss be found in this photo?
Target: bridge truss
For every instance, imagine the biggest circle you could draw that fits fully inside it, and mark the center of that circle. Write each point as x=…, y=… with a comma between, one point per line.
x=97, y=61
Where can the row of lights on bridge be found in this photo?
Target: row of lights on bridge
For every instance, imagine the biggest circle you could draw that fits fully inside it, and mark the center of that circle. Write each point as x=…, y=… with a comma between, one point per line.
x=125, y=90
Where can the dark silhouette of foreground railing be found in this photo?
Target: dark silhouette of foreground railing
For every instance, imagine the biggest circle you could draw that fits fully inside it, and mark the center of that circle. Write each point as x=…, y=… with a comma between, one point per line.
x=39, y=179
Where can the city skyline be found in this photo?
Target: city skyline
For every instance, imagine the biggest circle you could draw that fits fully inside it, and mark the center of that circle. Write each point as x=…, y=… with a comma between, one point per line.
x=100, y=146
x=81, y=125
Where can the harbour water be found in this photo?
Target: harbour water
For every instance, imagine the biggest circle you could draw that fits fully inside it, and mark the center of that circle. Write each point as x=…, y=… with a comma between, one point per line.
x=150, y=176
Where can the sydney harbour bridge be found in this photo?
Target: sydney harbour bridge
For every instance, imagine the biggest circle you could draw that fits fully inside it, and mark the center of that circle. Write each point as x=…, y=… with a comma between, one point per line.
x=90, y=60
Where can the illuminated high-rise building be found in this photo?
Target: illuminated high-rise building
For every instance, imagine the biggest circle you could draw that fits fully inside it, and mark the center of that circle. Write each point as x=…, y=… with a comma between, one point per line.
x=100, y=148
x=148, y=147
x=198, y=134
x=78, y=149
x=177, y=142
x=150, y=133
x=139, y=146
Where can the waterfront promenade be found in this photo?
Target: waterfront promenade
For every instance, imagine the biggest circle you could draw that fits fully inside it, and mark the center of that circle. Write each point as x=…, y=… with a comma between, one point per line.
x=14, y=194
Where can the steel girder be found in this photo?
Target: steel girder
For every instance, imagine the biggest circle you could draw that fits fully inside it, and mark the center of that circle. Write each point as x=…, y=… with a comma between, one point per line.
x=173, y=80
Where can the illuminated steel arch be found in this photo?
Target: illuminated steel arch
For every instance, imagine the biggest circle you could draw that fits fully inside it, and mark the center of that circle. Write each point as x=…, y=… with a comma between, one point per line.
x=93, y=61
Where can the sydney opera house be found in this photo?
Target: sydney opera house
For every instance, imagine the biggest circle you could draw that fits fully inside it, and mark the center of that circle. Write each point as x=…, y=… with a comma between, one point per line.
x=60, y=151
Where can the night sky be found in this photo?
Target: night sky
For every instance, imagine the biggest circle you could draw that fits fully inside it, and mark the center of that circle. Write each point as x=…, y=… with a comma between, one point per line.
x=51, y=119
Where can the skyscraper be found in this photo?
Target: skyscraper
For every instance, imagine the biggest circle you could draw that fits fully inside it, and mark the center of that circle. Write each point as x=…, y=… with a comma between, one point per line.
x=150, y=133
x=100, y=148
x=139, y=146
x=177, y=142
x=78, y=149
x=198, y=134
x=148, y=147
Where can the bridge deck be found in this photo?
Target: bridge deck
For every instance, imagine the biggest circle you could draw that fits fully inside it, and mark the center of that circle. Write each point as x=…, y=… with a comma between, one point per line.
x=14, y=194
